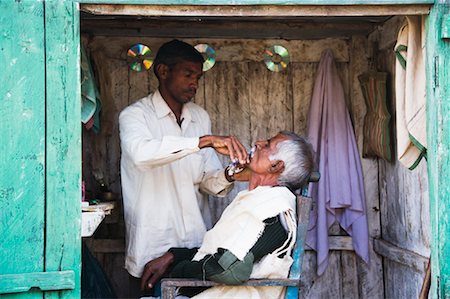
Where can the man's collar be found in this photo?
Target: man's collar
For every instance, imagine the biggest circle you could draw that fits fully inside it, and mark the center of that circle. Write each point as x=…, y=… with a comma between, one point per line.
x=162, y=109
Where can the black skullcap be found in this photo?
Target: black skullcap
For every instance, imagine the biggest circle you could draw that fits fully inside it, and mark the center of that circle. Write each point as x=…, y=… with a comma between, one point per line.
x=174, y=52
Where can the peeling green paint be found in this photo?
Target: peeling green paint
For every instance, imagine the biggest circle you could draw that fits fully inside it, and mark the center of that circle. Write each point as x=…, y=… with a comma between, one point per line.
x=438, y=125
x=40, y=179
x=63, y=131
x=22, y=110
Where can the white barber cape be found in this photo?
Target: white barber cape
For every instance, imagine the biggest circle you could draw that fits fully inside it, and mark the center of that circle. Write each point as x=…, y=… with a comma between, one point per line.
x=238, y=229
x=165, y=178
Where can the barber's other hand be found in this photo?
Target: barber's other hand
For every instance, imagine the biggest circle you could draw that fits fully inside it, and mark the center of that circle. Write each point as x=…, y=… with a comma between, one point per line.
x=226, y=145
x=243, y=176
x=155, y=269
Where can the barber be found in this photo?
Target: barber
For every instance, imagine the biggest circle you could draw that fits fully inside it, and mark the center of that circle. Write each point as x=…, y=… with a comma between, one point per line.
x=168, y=163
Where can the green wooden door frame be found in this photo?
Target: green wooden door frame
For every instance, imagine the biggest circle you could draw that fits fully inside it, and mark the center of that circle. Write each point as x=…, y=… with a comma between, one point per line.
x=40, y=181
x=63, y=142
x=438, y=127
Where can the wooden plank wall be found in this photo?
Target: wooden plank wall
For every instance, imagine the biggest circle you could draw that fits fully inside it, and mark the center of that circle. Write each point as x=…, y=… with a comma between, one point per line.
x=245, y=99
x=404, y=202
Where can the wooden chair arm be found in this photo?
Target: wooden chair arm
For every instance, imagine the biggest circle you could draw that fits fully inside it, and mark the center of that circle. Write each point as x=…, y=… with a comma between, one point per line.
x=186, y=282
x=169, y=286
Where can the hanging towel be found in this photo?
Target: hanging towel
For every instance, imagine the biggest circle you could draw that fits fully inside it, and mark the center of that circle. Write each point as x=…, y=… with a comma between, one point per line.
x=94, y=122
x=410, y=88
x=90, y=98
x=339, y=195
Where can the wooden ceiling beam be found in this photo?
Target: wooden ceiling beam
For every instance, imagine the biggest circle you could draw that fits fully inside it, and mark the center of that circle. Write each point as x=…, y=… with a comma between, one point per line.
x=254, y=10
x=217, y=29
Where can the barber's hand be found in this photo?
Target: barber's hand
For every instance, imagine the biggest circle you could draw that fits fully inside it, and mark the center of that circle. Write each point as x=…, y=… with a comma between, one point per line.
x=155, y=269
x=226, y=145
x=243, y=176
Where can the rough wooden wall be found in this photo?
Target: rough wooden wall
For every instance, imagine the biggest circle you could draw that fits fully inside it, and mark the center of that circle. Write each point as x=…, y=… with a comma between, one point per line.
x=243, y=98
x=404, y=202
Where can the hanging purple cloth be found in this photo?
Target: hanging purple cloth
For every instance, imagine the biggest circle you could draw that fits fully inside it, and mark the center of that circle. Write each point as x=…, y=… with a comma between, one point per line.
x=339, y=195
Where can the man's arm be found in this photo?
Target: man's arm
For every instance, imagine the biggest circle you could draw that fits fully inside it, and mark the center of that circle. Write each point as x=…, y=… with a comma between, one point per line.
x=225, y=145
x=216, y=180
x=157, y=268
x=144, y=149
x=147, y=151
x=224, y=267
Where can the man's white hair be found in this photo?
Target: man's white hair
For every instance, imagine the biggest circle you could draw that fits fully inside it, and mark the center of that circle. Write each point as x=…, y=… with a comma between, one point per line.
x=298, y=157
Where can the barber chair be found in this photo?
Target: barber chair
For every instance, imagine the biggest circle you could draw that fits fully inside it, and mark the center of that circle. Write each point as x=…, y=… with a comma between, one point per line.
x=169, y=286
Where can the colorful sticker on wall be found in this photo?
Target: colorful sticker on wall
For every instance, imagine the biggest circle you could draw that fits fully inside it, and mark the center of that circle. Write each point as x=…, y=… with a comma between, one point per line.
x=276, y=58
x=208, y=54
x=139, y=57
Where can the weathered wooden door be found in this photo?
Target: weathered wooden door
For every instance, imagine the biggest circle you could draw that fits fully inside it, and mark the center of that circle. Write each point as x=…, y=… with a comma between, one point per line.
x=40, y=161
x=438, y=118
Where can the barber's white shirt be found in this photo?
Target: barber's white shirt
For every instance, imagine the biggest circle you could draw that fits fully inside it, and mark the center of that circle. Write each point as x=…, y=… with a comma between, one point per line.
x=163, y=171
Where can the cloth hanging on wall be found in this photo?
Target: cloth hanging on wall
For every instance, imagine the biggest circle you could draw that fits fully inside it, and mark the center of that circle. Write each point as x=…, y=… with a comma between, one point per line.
x=339, y=195
x=377, y=130
x=90, y=97
x=410, y=88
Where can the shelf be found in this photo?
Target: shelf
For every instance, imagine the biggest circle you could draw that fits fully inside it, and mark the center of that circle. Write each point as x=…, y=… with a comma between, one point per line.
x=93, y=215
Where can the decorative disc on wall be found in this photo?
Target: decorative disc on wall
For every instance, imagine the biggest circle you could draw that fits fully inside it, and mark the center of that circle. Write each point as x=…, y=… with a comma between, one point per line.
x=208, y=54
x=139, y=57
x=276, y=58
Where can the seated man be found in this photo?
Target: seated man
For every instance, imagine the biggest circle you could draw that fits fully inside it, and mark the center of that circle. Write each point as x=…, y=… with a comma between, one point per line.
x=255, y=234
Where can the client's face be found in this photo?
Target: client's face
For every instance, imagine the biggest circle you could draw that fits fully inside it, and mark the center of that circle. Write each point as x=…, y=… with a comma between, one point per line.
x=260, y=162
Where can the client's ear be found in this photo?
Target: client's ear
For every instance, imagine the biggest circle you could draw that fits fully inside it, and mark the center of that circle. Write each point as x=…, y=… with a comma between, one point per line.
x=277, y=166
